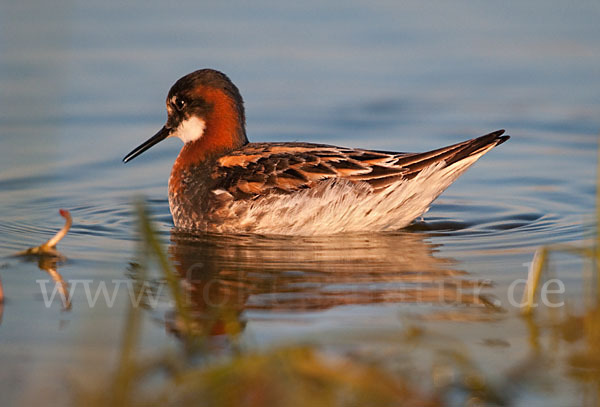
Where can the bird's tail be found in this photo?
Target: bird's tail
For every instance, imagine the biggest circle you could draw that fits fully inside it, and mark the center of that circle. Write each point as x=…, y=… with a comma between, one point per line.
x=451, y=155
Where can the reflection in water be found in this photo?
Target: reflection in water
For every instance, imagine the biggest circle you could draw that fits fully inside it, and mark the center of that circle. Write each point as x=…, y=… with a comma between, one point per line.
x=241, y=273
x=50, y=265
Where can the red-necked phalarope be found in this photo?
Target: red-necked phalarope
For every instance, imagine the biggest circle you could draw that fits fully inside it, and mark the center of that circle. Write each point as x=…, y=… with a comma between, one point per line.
x=222, y=183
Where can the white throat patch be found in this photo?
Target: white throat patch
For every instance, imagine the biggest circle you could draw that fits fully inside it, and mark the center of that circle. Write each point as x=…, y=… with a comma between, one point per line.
x=190, y=130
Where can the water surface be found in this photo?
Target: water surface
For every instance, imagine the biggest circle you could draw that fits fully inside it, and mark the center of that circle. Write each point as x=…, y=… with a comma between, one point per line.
x=84, y=83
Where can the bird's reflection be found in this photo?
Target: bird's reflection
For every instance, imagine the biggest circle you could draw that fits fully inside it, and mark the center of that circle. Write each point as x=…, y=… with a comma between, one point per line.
x=292, y=274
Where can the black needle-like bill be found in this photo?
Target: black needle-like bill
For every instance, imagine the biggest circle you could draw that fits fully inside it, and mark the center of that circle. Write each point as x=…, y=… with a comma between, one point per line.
x=158, y=137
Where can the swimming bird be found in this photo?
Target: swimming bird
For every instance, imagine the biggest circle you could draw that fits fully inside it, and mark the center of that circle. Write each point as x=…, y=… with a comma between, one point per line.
x=220, y=182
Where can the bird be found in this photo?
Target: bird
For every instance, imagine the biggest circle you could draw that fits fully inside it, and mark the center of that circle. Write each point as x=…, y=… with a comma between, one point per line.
x=222, y=183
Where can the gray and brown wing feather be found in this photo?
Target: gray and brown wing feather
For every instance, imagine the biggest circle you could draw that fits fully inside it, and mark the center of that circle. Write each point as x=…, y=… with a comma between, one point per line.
x=262, y=168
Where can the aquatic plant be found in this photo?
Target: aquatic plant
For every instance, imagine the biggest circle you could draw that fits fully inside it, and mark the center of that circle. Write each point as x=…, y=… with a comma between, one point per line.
x=48, y=258
x=48, y=248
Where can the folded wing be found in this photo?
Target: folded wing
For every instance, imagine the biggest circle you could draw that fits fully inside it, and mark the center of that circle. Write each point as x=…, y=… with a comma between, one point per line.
x=262, y=168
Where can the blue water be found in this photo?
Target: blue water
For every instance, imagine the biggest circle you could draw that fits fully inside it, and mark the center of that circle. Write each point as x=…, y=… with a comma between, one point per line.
x=82, y=83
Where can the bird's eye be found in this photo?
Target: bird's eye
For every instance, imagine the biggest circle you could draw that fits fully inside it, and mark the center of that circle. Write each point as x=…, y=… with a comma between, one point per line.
x=179, y=103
